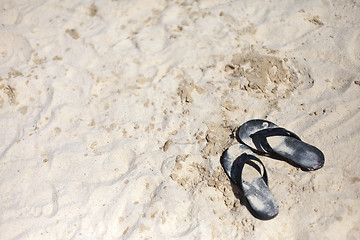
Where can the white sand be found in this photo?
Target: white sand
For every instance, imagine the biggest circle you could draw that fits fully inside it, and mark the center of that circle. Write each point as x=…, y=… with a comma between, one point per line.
x=114, y=114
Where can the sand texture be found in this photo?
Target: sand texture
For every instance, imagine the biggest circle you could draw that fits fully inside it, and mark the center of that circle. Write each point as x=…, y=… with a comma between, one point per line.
x=114, y=115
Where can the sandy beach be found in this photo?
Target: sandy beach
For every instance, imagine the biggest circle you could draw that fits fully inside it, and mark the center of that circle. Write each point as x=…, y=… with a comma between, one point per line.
x=114, y=115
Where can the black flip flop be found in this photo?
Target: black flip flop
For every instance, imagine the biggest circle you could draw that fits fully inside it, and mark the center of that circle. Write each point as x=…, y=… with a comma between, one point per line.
x=235, y=161
x=257, y=133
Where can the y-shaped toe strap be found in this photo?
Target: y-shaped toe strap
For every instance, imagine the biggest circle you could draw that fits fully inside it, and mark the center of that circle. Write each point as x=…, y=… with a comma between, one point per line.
x=260, y=137
x=248, y=159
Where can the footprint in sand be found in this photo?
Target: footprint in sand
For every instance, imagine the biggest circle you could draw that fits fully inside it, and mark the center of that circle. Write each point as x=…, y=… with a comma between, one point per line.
x=149, y=43
x=42, y=202
x=117, y=164
x=354, y=48
x=9, y=14
x=14, y=49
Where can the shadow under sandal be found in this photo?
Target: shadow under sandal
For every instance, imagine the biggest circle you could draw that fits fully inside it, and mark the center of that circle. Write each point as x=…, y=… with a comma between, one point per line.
x=267, y=138
x=239, y=164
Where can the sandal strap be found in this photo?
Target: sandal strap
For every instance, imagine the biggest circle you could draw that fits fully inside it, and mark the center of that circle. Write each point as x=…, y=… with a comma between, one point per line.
x=248, y=159
x=260, y=137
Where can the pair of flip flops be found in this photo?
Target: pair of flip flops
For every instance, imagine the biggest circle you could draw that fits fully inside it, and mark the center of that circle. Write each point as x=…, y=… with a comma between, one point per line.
x=243, y=167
